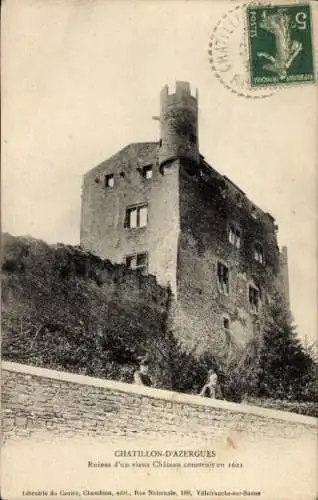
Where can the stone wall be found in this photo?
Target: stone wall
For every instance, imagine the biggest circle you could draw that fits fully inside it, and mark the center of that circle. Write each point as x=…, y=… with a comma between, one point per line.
x=190, y=210
x=42, y=401
x=103, y=230
x=209, y=205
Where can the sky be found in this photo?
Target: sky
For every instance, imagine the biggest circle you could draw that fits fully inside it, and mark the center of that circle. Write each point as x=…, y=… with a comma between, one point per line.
x=81, y=79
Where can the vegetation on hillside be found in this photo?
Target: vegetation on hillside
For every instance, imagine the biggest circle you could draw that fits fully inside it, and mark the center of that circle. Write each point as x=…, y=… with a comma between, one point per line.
x=66, y=309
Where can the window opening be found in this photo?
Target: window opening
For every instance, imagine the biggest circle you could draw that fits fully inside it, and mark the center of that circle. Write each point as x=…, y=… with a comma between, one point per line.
x=136, y=216
x=258, y=253
x=226, y=323
x=223, y=278
x=138, y=261
x=109, y=181
x=147, y=172
x=254, y=298
x=234, y=236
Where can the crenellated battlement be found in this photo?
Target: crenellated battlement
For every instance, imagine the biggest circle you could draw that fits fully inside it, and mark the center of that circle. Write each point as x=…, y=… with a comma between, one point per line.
x=181, y=90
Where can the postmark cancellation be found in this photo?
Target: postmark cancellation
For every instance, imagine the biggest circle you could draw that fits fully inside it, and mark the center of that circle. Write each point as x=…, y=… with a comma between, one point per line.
x=257, y=48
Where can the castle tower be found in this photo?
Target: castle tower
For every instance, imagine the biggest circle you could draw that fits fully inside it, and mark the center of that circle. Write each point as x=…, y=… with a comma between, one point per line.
x=178, y=124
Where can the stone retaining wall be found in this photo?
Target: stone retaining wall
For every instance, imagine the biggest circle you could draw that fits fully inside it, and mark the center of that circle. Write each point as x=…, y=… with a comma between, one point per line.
x=37, y=400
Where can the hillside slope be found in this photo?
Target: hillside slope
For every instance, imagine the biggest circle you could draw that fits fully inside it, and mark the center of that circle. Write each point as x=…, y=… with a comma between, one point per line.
x=67, y=309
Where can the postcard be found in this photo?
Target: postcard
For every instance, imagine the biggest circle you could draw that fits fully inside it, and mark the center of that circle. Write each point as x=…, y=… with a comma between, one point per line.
x=159, y=275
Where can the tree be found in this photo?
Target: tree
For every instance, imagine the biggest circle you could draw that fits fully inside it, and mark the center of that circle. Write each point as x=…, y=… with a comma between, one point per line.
x=285, y=368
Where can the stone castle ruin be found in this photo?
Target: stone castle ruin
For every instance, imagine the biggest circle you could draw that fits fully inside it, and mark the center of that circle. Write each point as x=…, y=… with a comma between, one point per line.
x=159, y=207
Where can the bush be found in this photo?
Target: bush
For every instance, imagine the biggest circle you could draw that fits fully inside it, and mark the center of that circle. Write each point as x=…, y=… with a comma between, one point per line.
x=308, y=408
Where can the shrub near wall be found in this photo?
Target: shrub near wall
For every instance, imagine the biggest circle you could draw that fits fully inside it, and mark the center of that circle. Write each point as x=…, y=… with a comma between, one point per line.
x=301, y=407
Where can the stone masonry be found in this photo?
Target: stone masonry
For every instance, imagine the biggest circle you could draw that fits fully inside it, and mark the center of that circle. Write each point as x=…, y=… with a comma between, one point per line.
x=38, y=401
x=161, y=208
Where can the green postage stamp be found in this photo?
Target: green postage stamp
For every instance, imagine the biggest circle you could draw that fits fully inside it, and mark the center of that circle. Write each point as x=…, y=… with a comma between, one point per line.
x=280, y=44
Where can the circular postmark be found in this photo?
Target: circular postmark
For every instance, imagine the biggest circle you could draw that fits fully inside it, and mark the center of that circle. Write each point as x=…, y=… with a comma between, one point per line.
x=229, y=55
